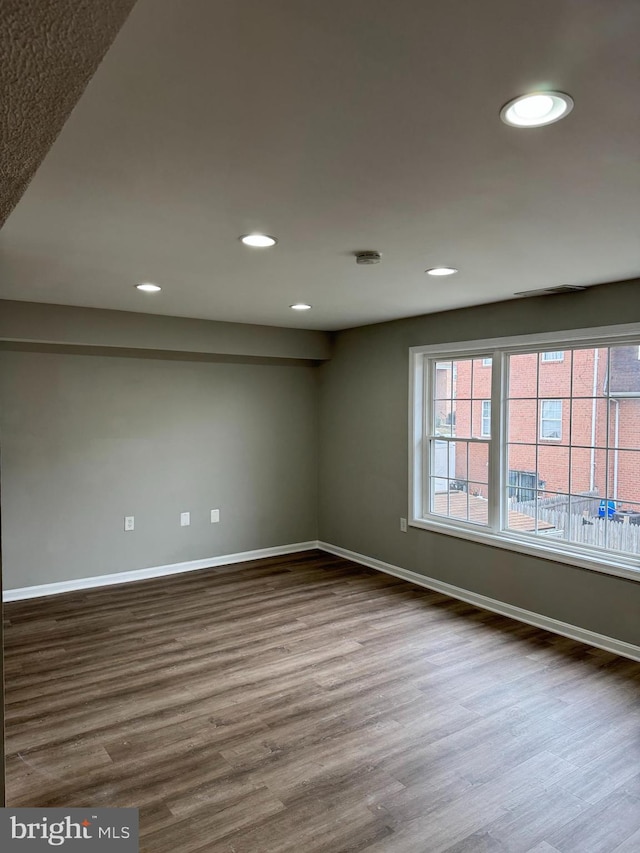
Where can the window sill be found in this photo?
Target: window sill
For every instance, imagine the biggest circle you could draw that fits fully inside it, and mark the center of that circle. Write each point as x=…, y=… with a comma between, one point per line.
x=512, y=542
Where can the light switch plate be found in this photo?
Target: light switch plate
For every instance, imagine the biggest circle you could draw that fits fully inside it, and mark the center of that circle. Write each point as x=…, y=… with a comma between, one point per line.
x=185, y=519
x=215, y=516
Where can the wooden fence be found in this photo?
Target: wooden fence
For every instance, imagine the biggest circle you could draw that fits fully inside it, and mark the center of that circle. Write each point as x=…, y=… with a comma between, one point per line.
x=583, y=528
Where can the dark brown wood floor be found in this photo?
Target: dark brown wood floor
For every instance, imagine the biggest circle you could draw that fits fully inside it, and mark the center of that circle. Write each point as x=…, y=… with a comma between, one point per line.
x=306, y=704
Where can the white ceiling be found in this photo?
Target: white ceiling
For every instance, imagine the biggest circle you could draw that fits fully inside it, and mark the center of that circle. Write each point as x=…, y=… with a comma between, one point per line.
x=337, y=125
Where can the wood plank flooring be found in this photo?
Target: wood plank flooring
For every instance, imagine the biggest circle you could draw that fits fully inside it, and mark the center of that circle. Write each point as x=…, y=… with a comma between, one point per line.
x=305, y=704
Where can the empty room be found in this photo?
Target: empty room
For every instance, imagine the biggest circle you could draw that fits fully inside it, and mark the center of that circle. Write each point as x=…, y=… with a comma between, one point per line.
x=320, y=426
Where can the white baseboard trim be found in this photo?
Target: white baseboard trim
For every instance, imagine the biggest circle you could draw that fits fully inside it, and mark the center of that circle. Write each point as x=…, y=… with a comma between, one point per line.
x=574, y=632
x=153, y=572
x=591, y=638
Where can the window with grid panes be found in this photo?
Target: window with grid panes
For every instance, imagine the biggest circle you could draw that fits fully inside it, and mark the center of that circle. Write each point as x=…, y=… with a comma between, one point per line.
x=573, y=426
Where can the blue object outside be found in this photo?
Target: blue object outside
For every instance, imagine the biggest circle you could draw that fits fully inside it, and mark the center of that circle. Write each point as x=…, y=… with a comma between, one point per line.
x=607, y=508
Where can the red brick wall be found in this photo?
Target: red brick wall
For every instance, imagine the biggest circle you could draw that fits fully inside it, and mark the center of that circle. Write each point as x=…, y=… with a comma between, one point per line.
x=473, y=385
x=628, y=485
x=583, y=422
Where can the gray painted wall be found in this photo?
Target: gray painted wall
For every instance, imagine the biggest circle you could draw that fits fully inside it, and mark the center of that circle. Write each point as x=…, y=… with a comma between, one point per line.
x=35, y=322
x=89, y=439
x=364, y=461
x=2, y=762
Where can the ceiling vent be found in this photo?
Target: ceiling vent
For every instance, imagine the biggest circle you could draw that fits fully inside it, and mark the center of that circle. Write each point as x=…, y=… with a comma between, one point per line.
x=552, y=291
x=367, y=257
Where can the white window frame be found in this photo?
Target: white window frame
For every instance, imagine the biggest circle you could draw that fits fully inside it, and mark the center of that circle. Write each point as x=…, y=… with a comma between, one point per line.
x=556, y=355
x=544, y=437
x=484, y=418
x=496, y=534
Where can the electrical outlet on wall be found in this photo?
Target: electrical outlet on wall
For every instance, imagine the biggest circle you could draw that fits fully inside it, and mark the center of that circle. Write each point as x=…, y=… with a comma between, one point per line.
x=185, y=519
x=215, y=516
x=403, y=525
x=129, y=522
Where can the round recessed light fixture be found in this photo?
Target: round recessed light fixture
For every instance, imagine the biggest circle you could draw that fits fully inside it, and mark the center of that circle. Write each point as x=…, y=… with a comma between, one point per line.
x=258, y=241
x=536, y=109
x=300, y=306
x=148, y=287
x=442, y=271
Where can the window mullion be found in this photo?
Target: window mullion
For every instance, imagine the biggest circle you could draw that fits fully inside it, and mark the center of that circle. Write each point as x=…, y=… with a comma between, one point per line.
x=428, y=384
x=496, y=444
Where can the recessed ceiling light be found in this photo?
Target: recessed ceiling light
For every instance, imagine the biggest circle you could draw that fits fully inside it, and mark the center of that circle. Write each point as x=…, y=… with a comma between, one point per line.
x=536, y=109
x=258, y=241
x=148, y=287
x=300, y=306
x=442, y=271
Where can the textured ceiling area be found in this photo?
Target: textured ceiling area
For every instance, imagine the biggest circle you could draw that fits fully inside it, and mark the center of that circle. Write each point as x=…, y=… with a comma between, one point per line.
x=336, y=126
x=49, y=52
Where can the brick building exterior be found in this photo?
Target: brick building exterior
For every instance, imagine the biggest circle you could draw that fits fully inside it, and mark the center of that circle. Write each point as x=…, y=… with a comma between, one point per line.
x=564, y=410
